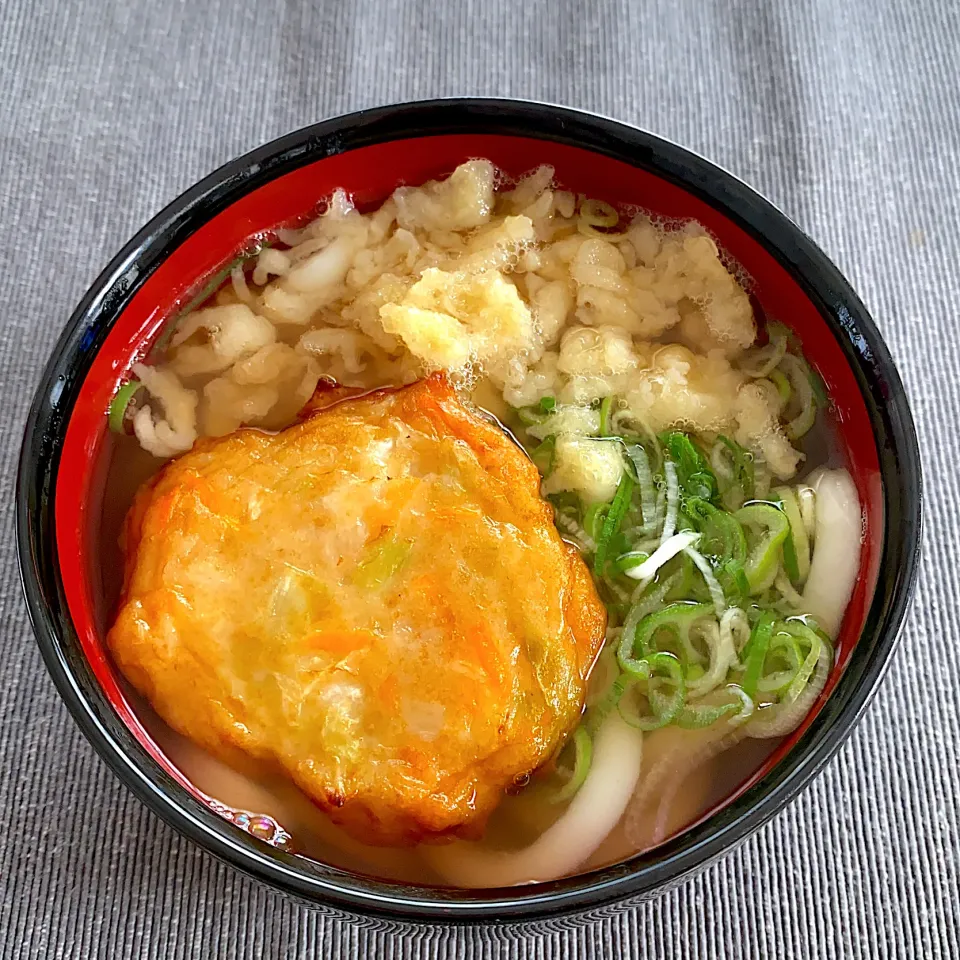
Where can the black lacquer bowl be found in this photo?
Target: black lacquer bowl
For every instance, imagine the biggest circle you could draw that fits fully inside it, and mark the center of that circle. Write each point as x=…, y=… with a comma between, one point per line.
x=61, y=477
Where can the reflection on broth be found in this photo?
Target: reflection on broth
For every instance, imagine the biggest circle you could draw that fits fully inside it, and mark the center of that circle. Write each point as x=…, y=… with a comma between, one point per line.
x=359, y=619
x=519, y=819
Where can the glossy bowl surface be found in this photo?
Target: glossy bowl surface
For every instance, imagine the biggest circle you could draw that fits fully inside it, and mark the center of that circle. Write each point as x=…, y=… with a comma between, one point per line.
x=65, y=449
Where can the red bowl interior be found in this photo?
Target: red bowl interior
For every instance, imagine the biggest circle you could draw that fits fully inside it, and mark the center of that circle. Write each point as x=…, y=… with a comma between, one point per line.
x=370, y=174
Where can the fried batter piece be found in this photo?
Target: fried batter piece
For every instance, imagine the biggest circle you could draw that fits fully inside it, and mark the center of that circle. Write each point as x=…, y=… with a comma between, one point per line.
x=375, y=600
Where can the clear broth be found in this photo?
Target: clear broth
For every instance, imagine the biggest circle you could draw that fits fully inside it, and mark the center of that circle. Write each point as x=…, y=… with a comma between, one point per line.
x=519, y=819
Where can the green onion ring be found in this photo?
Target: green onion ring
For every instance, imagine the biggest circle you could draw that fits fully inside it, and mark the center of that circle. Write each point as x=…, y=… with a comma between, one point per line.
x=798, y=533
x=798, y=373
x=664, y=709
x=116, y=412
x=764, y=560
x=583, y=757
x=754, y=654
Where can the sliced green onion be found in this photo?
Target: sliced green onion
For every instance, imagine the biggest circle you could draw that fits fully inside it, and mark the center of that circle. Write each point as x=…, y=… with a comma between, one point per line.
x=531, y=416
x=716, y=592
x=798, y=539
x=666, y=551
x=117, y=410
x=647, y=598
x=547, y=404
x=605, y=671
x=723, y=640
x=673, y=501
x=663, y=709
x=683, y=576
x=723, y=536
x=698, y=716
x=733, y=579
x=544, y=454
x=596, y=214
x=677, y=619
x=703, y=535
x=694, y=672
x=819, y=389
x=743, y=464
x=786, y=646
x=693, y=471
x=594, y=519
x=789, y=594
x=785, y=717
x=789, y=553
x=782, y=384
x=583, y=757
x=754, y=654
x=753, y=612
x=803, y=632
x=598, y=712
x=627, y=561
x=612, y=521
x=626, y=684
x=737, y=624
x=761, y=361
x=802, y=423
x=654, y=450
x=660, y=512
x=747, y=706
x=648, y=497
x=618, y=592
x=213, y=284
x=733, y=468
x=571, y=526
x=798, y=373
x=763, y=560
x=628, y=633
x=723, y=462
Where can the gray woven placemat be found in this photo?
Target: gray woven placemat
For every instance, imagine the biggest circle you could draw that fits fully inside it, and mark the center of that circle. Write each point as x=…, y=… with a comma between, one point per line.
x=843, y=112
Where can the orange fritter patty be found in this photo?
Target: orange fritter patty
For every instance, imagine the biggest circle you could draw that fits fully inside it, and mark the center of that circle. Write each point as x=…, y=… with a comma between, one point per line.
x=375, y=599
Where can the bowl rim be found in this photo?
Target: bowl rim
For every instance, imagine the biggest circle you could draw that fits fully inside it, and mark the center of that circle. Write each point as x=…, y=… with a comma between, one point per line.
x=821, y=281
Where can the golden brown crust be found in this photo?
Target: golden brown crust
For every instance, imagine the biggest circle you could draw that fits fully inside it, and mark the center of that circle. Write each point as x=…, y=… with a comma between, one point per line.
x=375, y=599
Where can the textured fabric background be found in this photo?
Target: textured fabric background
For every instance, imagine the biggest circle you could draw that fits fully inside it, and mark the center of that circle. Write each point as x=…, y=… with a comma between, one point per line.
x=843, y=112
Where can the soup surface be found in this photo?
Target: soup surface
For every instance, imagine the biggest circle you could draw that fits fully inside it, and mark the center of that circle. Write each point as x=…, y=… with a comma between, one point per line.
x=670, y=430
